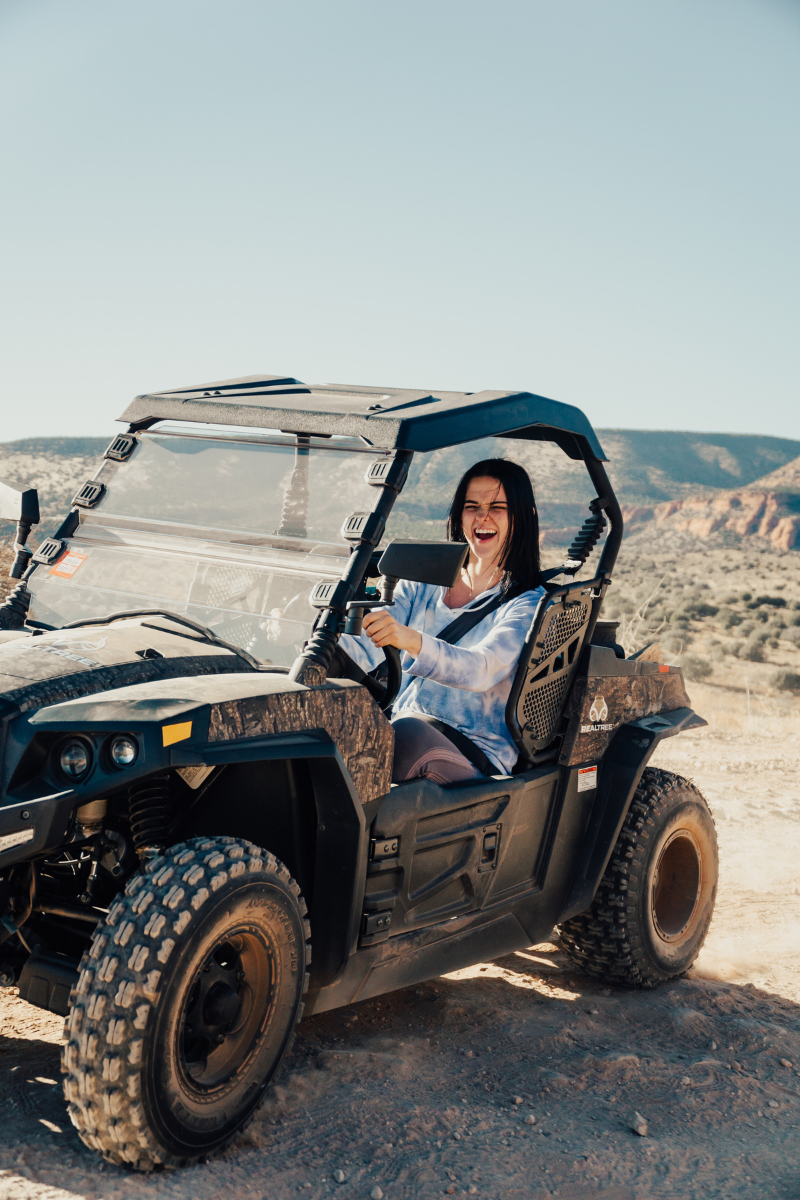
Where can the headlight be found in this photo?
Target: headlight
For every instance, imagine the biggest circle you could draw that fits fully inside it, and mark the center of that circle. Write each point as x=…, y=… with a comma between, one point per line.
x=123, y=751
x=75, y=759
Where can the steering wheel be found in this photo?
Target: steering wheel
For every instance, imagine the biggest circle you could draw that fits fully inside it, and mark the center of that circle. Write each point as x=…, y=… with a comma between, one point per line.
x=384, y=691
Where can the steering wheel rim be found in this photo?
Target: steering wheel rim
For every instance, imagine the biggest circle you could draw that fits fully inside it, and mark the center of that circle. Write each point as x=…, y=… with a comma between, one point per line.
x=385, y=694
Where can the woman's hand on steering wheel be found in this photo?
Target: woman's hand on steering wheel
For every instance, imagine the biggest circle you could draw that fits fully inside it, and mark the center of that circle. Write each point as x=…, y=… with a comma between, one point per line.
x=383, y=630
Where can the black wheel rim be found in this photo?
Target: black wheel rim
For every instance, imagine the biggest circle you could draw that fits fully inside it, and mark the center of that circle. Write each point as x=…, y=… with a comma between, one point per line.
x=677, y=886
x=227, y=1006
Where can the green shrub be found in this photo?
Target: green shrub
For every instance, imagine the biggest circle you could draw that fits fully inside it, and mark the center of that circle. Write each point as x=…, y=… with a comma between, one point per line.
x=729, y=619
x=698, y=608
x=769, y=601
x=753, y=649
x=695, y=668
x=786, y=681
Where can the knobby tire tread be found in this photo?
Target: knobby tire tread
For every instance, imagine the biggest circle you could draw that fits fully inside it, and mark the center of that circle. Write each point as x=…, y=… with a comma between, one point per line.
x=605, y=941
x=119, y=975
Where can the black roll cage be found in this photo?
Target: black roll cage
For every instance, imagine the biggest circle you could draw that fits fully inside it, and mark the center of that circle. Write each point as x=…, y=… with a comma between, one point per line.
x=312, y=664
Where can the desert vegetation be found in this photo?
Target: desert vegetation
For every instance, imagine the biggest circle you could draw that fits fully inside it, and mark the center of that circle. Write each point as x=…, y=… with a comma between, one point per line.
x=727, y=609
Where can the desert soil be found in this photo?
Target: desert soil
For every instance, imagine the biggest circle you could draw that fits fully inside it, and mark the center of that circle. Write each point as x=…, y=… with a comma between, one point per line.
x=425, y=1092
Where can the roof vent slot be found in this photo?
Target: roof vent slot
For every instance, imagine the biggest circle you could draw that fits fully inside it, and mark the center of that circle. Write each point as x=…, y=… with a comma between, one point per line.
x=49, y=550
x=89, y=494
x=121, y=448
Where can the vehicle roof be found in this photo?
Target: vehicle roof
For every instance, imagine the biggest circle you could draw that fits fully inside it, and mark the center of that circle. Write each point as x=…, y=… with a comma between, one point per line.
x=389, y=418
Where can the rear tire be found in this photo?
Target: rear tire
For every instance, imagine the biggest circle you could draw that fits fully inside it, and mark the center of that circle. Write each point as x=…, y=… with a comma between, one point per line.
x=654, y=905
x=186, y=1004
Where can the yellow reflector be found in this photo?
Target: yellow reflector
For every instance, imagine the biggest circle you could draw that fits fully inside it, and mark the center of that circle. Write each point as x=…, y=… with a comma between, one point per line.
x=176, y=733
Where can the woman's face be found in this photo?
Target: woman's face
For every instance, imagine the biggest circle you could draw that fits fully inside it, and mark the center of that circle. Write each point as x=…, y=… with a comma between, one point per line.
x=484, y=518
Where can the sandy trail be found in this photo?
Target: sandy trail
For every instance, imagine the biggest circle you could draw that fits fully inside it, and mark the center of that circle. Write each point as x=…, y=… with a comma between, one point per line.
x=415, y=1093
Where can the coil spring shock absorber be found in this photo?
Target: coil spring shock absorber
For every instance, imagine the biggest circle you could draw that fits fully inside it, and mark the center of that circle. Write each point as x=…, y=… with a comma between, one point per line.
x=149, y=811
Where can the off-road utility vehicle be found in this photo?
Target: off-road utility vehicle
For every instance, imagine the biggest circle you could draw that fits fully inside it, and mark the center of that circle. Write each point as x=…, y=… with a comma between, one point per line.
x=191, y=805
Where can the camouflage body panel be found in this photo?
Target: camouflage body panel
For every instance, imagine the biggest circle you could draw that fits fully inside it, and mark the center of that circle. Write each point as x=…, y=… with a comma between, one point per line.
x=343, y=710
x=599, y=704
x=41, y=669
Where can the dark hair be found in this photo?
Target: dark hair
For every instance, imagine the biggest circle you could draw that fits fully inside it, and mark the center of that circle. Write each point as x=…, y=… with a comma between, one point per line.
x=520, y=553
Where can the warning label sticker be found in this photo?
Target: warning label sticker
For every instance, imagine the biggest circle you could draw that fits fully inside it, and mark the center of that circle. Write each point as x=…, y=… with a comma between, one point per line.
x=587, y=779
x=66, y=567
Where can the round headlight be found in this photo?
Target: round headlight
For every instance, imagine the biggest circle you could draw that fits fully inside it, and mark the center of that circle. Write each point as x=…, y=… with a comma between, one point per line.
x=123, y=751
x=75, y=759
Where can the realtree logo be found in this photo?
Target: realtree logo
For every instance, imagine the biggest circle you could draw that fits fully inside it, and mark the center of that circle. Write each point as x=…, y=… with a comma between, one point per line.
x=597, y=715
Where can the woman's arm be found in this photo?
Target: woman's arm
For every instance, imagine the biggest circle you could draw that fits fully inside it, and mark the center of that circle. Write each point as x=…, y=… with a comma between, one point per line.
x=385, y=630
x=361, y=649
x=484, y=665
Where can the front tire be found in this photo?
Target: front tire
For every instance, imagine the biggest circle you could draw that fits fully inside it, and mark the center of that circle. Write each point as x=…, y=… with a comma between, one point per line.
x=186, y=1004
x=652, y=910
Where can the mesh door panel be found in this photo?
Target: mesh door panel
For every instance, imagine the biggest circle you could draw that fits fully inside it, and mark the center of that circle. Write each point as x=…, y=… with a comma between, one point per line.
x=541, y=701
x=541, y=707
x=562, y=627
x=227, y=585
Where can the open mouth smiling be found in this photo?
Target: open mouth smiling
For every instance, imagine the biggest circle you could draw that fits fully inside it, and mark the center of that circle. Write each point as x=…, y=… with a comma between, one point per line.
x=485, y=535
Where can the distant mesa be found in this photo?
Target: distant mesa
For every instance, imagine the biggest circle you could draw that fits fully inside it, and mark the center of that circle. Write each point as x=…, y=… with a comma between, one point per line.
x=763, y=502
x=755, y=511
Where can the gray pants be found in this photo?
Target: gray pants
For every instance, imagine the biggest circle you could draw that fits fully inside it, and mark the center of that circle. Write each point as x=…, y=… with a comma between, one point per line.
x=420, y=751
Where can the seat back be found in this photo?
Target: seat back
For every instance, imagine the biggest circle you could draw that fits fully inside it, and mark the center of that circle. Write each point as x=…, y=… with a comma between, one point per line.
x=545, y=670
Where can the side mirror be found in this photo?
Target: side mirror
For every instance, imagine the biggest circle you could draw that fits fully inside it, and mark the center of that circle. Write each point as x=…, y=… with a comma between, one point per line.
x=424, y=562
x=420, y=562
x=19, y=506
x=22, y=507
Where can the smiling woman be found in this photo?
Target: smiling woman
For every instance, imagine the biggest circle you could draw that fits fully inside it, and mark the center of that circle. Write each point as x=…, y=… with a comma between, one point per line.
x=449, y=717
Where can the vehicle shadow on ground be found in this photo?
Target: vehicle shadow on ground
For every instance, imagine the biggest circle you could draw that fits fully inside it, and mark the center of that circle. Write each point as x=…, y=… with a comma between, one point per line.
x=416, y=1093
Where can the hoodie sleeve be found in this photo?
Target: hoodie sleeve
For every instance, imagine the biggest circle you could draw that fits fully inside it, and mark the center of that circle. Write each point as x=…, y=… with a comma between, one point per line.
x=482, y=666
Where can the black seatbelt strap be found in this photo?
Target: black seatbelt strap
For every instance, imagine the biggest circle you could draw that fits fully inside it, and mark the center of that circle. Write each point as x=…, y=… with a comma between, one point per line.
x=454, y=632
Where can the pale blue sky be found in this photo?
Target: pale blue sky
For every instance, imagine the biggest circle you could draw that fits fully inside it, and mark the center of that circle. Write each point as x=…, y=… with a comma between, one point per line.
x=594, y=200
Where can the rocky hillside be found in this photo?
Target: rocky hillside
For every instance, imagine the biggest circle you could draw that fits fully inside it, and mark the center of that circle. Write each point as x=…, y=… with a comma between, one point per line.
x=698, y=482
x=647, y=468
x=756, y=511
x=56, y=466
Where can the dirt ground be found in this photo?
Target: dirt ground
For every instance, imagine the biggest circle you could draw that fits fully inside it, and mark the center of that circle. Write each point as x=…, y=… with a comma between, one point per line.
x=416, y=1094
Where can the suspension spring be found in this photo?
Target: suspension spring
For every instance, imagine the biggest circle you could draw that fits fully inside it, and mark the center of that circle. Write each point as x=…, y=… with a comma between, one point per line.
x=149, y=812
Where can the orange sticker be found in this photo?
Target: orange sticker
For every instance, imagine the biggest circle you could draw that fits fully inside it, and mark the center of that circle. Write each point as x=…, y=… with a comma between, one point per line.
x=664, y=670
x=66, y=567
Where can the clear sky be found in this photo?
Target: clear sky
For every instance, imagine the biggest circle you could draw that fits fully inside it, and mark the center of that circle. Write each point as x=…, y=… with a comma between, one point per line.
x=596, y=201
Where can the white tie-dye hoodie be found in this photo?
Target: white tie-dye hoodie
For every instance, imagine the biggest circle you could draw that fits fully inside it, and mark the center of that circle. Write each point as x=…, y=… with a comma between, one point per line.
x=466, y=685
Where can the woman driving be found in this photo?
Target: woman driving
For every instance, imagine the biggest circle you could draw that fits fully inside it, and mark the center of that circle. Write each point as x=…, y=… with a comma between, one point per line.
x=449, y=716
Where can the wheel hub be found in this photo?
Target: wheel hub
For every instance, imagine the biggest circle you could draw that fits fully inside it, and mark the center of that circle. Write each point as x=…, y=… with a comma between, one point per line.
x=677, y=884
x=215, y=1004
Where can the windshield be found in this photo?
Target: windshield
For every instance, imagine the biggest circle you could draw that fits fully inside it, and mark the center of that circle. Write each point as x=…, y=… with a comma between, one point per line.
x=286, y=488
x=230, y=532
